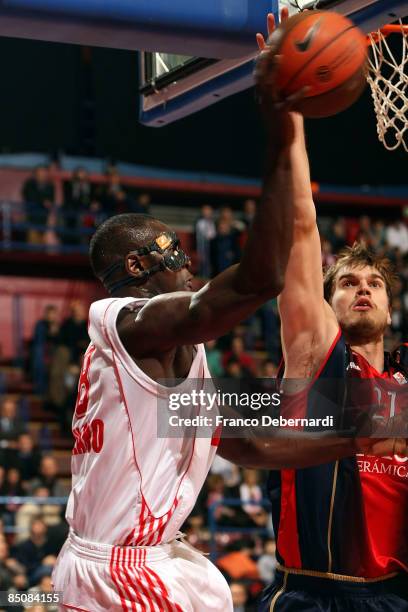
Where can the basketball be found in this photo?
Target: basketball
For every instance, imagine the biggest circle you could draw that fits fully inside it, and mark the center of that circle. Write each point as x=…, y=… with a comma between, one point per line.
x=324, y=52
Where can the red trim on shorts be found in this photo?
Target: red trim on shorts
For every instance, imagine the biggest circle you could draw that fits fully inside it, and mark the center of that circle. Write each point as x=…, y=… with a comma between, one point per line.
x=144, y=589
x=74, y=608
x=115, y=578
x=288, y=535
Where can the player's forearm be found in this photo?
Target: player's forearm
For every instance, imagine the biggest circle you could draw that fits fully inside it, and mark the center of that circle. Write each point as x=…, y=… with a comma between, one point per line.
x=266, y=252
x=303, y=206
x=281, y=453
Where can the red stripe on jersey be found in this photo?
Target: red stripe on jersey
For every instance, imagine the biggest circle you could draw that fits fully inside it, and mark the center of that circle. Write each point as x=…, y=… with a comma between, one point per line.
x=216, y=437
x=74, y=608
x=288, y=536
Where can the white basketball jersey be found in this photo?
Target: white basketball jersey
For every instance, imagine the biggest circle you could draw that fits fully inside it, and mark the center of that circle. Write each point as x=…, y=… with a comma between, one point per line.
x=129, y=486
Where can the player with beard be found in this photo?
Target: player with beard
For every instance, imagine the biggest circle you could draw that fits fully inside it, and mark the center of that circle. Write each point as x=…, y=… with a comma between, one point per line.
x=341, y=527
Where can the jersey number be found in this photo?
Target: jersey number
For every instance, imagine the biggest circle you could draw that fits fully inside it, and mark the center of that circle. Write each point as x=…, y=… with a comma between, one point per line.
x=83, y=385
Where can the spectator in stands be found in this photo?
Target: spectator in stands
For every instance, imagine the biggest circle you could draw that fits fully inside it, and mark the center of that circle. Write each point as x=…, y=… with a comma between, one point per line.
x=229, y=471
x=328, y=257
x=249, y=212
x=73, y=340
x=337, y=236
x=214, y=358
x=238, y=564
x=45, y=338
x=240, y=597
x=396, y=236
x=77, y=200
x=12, y=487
x=270, y=323
x=11, y=428
x=142, y=204
x=91, y=219
x=234, y=369
x=378, y=236
x=250, y=491
x=227, y=216
x=49, y=513
x=10, y=569
x=44, y=587
x=48, y=478
x=123, y=202
x=267, y=562
x=27, y=458
x=38, y=196
x=366, y=233
x=268, y=369
x=224, y=247
x=237, y=352
x=32, y=551
x=205, y=231
x=109, y=192
x=74, y=332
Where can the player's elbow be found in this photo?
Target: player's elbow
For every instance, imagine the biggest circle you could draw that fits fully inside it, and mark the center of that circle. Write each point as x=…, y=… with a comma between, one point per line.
x=305, y=223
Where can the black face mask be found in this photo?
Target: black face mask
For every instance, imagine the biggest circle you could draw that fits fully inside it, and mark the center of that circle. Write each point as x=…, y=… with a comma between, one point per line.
x=166, y=244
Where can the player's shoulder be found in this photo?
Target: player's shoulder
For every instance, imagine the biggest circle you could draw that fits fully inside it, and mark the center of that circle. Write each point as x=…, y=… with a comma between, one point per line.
x=109, y=308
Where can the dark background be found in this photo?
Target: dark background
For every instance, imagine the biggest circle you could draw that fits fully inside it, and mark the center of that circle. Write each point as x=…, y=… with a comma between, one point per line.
x=85, y=101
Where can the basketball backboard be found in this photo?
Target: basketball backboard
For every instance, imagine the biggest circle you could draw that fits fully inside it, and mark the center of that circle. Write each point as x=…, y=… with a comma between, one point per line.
x=172, y=87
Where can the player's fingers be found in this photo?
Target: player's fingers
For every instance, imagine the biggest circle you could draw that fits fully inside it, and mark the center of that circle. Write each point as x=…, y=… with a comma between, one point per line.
x=270, y=21
x=260, y=41
x=400, y=447
x=284, y=14
x=291, y=101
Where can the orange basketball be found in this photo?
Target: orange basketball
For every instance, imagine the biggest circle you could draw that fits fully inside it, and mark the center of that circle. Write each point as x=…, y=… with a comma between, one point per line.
x=325, y=52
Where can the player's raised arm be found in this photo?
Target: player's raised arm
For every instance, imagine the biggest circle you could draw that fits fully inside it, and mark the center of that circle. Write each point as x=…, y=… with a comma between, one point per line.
x=174, y=318
x=307, y=320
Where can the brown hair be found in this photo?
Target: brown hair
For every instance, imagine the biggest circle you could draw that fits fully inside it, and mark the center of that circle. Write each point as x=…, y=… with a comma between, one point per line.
x=358, y=256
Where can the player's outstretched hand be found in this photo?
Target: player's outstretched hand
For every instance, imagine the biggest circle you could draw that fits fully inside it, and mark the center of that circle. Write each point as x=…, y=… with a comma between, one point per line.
x=280, y=121
x=382, y=447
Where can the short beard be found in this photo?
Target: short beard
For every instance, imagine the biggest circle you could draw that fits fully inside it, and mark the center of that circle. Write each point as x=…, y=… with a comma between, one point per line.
x=363, y=331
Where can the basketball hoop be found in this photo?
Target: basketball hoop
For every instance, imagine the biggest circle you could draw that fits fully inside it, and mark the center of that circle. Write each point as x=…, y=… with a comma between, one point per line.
x=388, y=78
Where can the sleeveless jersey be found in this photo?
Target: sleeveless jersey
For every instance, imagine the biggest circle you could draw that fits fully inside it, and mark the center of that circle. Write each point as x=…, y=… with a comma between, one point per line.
x=129, y=485
x=350, y=516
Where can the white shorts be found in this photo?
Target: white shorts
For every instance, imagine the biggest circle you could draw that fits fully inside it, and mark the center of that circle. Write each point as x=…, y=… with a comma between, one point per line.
x=166, y=578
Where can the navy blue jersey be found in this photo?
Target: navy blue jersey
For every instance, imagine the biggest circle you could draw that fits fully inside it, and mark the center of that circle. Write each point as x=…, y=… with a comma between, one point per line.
x=350, y=516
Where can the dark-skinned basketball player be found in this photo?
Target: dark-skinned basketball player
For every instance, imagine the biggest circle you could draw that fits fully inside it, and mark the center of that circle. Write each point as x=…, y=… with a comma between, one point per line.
x=132, y=489
x=341, y=527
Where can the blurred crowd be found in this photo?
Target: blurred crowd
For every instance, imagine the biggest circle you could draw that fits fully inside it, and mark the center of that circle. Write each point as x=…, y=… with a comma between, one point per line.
x=56, y=351
x=231, y=518
x=85, y=205
x=33, y=529
x=31, y=533
x=220, y=236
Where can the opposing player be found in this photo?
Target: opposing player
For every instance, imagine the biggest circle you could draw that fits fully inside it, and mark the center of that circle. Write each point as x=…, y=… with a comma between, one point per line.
x=132, y=490
x=341, y=527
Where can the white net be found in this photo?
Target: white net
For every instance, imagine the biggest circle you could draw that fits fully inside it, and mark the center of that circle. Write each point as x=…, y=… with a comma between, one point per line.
x=387, y=77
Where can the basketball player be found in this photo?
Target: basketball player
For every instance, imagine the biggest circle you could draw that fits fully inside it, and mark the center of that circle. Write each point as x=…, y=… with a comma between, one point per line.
x=131, y=490
x=341, y=527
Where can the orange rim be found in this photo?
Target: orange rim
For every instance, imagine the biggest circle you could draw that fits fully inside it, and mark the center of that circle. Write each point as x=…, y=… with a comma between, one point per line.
x=386, y=30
